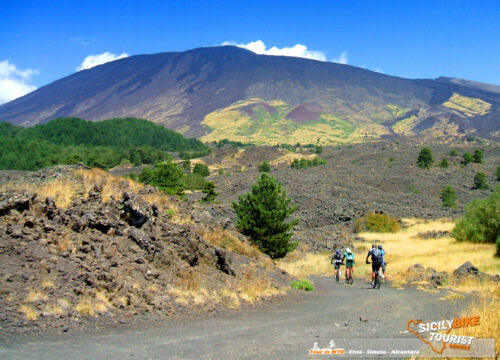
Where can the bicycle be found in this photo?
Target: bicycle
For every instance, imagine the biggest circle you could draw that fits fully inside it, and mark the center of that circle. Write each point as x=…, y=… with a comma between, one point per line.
x=378, y=275
x=337, y=275
x=348, y=278
x=376, y=284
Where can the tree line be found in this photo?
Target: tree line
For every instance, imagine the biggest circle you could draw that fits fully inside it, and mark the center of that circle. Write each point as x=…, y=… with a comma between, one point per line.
x=103, y=144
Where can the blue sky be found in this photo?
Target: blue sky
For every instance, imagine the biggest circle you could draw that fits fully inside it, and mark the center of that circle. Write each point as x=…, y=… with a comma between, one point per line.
x=42, y=41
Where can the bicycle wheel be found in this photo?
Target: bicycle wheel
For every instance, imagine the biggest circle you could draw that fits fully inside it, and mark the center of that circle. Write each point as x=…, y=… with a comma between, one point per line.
x=337, y=278
x=350, y=279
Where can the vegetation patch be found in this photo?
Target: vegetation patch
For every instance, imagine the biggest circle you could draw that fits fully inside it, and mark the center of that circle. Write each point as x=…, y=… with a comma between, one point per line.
x=377, y=223
x=302, y=284
x=103, y=144
x=468, y=106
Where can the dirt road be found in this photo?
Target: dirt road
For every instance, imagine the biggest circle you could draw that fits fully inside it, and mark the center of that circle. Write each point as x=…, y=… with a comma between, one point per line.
x=284, y=331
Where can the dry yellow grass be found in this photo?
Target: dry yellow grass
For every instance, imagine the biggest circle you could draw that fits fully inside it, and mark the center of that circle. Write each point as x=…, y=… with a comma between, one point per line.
x=48, y=283
x=29, y=311
x=52, y=309
x=469, y=106
x=405, y=248
x=487, y=306
x=62, y=190
x=36, y=295
x=229, y=241
x=85, y=307
x=301, y=264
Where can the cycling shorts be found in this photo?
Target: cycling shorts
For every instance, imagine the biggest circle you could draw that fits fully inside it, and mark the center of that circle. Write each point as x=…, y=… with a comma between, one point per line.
x=349, y=263
x=376, y=265
x=337, y=263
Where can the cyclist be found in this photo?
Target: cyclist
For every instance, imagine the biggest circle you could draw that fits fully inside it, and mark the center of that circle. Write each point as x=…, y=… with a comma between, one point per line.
x=336, y=260
x=383, y=261
x=376, y=256
x=349, y=262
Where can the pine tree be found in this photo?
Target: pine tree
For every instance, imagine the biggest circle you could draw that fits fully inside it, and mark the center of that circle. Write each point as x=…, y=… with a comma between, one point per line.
x=262, y=215
x=209, y=191
x=478, y=156
x=448, y=197
x=425, y=158
x=480, y=181
x=264, y=166
x=201, y=169
x=444, y=163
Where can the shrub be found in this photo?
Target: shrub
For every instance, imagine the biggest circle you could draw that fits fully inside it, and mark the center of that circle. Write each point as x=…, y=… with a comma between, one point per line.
x=467, y=158
x=480, y=181
x=302, y=284
x=498, y=173
x=425, y=158
x=448, y=197
x=186, y=165
x=305, y=163
x=444, y=163
x=318, y=149
x=478, y=156
x=166, y=175
x=377, y=223
x=221, y=171
x=194, y=182
x=262, y=215
x=264, y=166
x=453, y=152
x=209, y=191
x=201, y=169
x=132, y=176
x=481, y=222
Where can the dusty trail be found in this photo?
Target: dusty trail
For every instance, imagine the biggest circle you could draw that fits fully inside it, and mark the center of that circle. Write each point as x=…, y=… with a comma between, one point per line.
x=284, y=331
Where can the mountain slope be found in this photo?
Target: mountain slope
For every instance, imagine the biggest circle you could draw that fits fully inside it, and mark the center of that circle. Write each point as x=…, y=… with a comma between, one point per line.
x=228, y=92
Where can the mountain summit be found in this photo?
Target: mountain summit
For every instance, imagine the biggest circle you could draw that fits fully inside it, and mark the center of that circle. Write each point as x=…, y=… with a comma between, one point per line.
x=229, y=92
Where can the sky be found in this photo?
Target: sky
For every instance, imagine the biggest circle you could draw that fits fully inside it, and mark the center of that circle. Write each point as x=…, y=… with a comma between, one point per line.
x=42, y=41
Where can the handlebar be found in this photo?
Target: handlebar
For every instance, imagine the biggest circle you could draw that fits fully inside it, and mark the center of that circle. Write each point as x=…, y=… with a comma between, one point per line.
x=368, y=262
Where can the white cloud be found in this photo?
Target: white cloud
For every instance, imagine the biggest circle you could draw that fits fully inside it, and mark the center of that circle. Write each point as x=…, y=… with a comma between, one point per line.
x=298, y=50
x=94, y=60
x=14, y=82
x=342, y=59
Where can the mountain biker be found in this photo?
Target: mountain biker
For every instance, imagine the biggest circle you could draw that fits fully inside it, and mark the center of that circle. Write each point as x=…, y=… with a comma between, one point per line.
x=349, y=262
x=336, y=260
x=376, y=261
x=383, y=260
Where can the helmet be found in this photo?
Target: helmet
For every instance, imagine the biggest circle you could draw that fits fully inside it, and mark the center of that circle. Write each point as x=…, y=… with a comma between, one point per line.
x=374, y=246
x=380, y=247
x=347, y=250
x=338, y=251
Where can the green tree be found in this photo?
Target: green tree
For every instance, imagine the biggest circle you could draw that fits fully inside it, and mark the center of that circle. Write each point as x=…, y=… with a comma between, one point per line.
x=167, y=176
x=201, y=169
x=481, y=222
x=480, y=181
x=467, y=158
x=264, y=166
x=318, y=149
x=448, y=197
x=186, y=165
x=478, y=156
x=425, y=159
x=209, y=191
x=262, y=215
x=453, y=152
x=444, y=163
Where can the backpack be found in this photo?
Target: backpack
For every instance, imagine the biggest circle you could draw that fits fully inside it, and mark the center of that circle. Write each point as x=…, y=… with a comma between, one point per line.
x=376, y=255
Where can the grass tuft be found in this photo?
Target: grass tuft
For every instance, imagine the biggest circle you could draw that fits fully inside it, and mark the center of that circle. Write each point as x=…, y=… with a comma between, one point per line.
x=302, y=284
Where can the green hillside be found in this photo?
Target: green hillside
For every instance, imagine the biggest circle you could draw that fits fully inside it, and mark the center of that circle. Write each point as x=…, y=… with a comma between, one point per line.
x=103, y=144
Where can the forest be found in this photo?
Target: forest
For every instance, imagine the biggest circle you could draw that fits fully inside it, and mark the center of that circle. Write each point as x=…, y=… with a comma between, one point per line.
x=103, y=144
